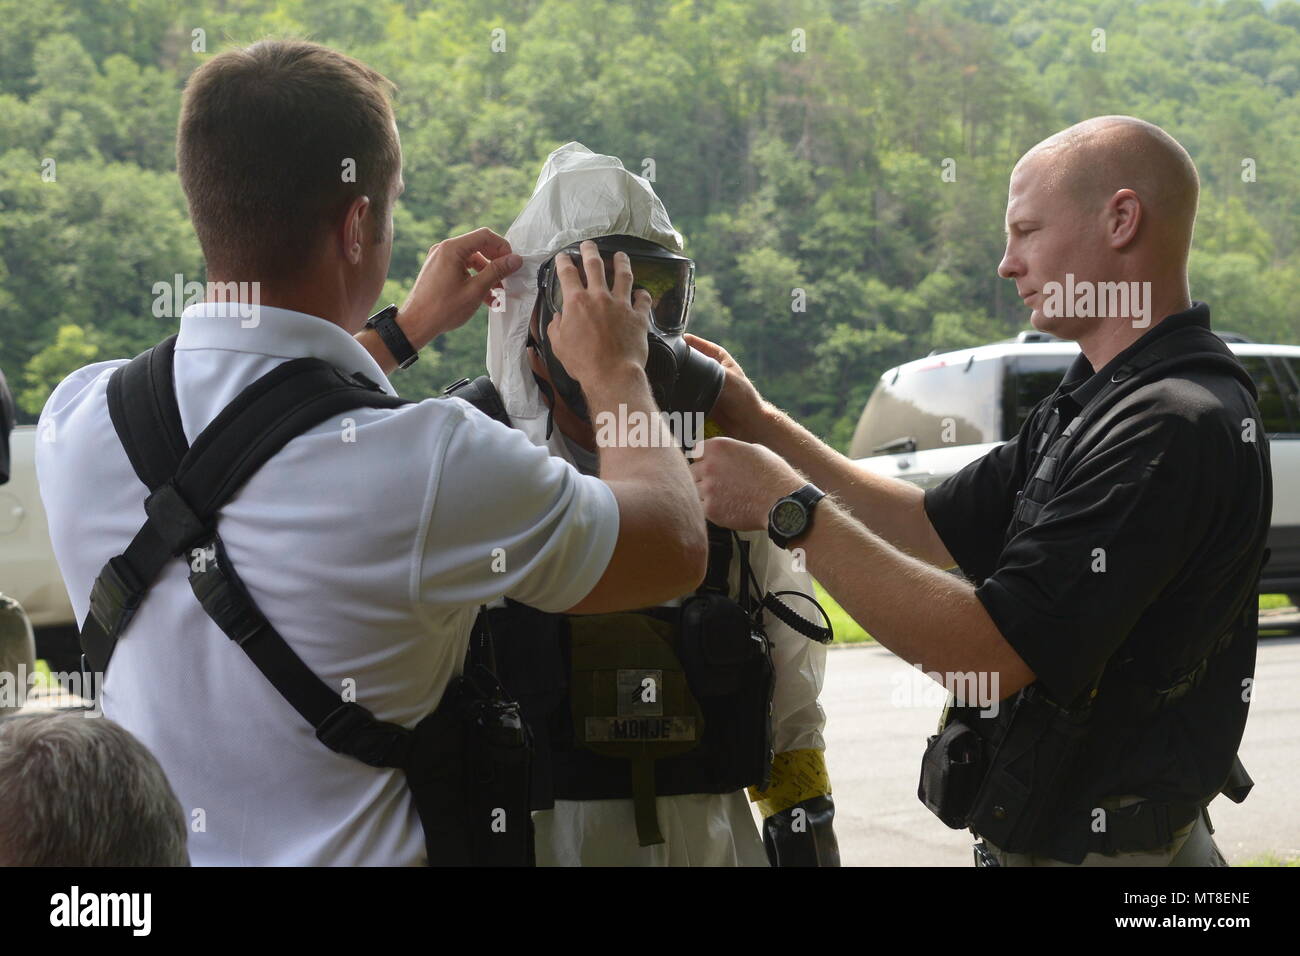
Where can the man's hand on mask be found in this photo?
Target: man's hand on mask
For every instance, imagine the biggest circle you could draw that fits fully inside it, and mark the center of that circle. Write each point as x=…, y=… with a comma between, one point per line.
x=739, y=408
x=601, y=334
x=458, y=275
x=739, y=483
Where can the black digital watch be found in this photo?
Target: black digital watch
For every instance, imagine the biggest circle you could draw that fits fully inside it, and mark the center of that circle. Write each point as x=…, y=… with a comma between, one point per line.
x=791, y=516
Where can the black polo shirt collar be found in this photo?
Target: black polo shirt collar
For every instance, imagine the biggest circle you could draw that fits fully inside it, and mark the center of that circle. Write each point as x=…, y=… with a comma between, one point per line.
x=1081, y=384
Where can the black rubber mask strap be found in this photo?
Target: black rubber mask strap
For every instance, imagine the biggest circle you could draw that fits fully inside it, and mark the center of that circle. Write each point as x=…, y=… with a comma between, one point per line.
x=546, y=389
x=544, y=386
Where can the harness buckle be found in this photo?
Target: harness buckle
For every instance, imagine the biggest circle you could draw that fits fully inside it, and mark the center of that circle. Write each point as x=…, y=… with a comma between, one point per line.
x=352, y=730
x=116, y=595
x=175, y=522
x=225, y=602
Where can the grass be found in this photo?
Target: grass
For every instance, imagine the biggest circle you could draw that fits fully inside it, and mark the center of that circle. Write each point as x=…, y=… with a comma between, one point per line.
x=847, y=630
x=1268, y=602
x=42, y=673
x=1271, y=859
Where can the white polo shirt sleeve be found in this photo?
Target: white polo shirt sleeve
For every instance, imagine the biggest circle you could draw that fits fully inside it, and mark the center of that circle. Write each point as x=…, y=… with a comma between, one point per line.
x=504, y=517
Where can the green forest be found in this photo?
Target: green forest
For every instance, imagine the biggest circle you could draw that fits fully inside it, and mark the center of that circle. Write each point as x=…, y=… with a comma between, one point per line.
x=851, y=156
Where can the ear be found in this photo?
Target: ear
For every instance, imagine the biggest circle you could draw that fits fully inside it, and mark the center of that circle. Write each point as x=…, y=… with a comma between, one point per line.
x=352, y=235
x=1123, y=217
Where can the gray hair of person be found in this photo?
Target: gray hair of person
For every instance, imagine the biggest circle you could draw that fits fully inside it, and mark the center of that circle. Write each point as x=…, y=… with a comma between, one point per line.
x=17, y=649
x=82, y=791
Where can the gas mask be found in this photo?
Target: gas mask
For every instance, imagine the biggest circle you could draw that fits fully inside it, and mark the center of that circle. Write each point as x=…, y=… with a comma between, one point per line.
x=681, y=378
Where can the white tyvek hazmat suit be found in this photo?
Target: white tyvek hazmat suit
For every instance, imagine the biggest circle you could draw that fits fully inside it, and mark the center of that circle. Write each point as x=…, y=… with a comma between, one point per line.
x=582, y=195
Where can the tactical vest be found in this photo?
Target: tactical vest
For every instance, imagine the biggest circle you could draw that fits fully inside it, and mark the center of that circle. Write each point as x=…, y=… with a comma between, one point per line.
x=466, y=762
x=656, y=702
x=1010, y=772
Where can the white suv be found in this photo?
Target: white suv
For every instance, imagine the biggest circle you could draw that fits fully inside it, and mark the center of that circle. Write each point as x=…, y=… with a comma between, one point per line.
x=28, y=571
x=928, y=419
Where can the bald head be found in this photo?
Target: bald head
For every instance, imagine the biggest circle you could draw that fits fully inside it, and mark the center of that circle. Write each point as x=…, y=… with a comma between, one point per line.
x=1091, y=161
x=1104, y=207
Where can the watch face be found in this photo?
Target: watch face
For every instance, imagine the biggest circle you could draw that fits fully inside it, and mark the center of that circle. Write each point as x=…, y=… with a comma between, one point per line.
x=789, y=518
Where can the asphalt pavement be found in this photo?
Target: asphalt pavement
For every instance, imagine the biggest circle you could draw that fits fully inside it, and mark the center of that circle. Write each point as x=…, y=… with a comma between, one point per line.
x=879, y=714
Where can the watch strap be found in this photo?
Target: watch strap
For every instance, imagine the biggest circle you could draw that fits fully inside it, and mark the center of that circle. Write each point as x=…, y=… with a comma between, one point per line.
x=808, y=496
x=385, y=323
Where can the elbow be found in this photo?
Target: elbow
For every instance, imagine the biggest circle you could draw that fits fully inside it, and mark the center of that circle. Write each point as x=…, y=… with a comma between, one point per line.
x=680, y=566
x=694, y=558
x=688, y=552
x=672, y=570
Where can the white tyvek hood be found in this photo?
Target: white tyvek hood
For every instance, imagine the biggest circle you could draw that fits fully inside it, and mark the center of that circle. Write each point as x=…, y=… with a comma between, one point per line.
x=579, y=195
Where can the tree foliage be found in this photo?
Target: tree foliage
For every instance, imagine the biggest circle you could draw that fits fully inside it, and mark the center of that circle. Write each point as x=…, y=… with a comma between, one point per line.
x=800, y=146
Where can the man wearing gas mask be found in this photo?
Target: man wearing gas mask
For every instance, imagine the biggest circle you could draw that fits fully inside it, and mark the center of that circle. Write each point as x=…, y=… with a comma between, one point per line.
x=649, y=726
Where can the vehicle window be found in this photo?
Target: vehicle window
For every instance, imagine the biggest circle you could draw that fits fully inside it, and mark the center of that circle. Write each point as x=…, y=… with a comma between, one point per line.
x=937, y=404
x=1272, y=399
x=1029, y=380
x=1288, y=373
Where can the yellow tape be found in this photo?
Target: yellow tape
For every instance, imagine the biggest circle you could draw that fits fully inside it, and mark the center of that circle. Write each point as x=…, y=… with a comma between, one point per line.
x=797, y=775
x=711, y=430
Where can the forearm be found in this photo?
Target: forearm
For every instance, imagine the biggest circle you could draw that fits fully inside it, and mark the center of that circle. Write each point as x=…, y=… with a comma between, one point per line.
x=892, y=508
x=646, y=468
x=925, y=616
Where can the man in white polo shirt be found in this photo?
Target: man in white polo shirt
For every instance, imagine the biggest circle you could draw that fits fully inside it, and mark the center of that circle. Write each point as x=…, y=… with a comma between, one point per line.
x=370, y=540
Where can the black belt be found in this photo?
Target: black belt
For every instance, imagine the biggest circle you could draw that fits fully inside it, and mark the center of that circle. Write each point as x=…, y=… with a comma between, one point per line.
x=1144, y=827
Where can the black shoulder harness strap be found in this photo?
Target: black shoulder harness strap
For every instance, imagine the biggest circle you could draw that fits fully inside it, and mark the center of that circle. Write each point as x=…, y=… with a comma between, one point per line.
x=187, y=488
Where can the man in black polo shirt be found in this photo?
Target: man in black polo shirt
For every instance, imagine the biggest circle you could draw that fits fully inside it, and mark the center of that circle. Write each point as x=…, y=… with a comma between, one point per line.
x=1112, y=548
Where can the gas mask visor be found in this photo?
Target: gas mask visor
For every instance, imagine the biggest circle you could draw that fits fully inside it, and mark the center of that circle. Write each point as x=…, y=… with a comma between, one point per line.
x=667, y=276
x=681, y=378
